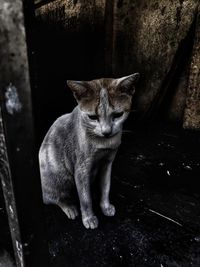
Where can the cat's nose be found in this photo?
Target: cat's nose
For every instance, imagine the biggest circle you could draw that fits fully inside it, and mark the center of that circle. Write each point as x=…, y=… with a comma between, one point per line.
x=106, y=131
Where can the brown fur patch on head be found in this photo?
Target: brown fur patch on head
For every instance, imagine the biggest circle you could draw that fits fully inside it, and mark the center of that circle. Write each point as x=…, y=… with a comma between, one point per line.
x=120, y=92
x=86, y=93
x=116, y=97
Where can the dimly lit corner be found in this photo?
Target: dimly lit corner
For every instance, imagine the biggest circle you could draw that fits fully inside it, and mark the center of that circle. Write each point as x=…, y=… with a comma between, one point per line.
x=155, y=177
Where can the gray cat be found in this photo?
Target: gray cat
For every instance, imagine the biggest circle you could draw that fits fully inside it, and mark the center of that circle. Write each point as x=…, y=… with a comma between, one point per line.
x=82, y=145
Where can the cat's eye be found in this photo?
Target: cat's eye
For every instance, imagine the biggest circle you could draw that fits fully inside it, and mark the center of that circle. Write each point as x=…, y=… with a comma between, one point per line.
x=118, y=115
x=93, y=117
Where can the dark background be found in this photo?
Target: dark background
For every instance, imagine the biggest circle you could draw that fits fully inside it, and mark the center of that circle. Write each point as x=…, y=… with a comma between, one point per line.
x=84, y=40
x=156, y=173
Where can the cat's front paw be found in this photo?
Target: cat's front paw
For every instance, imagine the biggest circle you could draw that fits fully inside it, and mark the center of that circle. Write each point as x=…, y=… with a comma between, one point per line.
x=108, y=210
x=90, y=222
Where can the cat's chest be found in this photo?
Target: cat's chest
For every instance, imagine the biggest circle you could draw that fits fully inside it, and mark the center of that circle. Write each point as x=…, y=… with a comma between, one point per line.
x=100, y=158
x=101, y=154
x=94, y=151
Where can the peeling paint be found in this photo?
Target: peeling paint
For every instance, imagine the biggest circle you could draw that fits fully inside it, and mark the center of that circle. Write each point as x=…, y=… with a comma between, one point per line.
x=13, y=104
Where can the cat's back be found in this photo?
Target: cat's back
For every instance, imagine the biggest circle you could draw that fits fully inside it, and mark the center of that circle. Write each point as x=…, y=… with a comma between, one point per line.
x=61, y=130
x=58, y=142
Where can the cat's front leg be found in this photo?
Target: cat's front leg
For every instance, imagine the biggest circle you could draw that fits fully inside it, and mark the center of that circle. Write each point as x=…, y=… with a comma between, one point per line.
x=105, y=175
x=82, y=179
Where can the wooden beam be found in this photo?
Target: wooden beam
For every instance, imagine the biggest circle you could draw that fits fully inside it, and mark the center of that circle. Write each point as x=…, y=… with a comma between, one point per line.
x=19, y=167
x=108, y=27
x=9, y=196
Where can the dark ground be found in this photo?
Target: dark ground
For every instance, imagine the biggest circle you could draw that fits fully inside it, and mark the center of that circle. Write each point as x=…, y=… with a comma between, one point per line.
x=155, y=189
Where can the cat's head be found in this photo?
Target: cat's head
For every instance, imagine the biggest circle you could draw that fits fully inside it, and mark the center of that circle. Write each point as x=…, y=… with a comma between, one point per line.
x=104, y=103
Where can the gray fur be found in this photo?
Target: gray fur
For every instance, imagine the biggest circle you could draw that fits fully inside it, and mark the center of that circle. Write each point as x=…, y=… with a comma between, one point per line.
x=77, y=150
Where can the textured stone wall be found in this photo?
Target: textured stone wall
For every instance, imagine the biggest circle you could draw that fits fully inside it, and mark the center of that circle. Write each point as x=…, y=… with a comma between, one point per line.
x=73, y=15
x=148, y=36
x=192, y=110
x=153, y=37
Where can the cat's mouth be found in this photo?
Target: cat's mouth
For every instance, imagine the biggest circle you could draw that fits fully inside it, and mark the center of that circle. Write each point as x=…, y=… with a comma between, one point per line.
x=108, y=136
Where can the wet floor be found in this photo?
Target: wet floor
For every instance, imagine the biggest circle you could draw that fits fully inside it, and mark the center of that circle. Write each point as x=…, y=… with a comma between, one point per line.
x=155, y=189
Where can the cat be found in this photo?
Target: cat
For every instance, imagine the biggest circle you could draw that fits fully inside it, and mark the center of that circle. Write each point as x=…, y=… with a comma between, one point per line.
x=82, y=145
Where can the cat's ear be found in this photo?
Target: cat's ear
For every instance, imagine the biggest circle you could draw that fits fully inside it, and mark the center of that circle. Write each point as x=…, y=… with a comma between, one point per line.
x=127, y=84
x=80, y=89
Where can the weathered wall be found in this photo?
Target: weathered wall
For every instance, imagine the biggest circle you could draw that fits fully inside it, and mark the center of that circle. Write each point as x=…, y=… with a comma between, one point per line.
x=149, y=36
x=73, y=15
x=152, y=37
x=192, y=110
